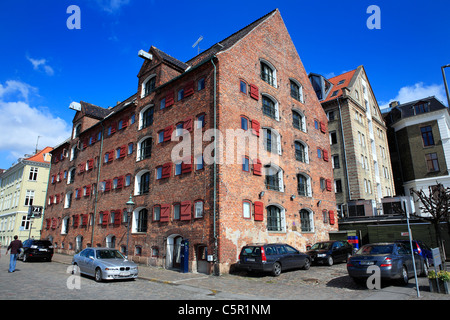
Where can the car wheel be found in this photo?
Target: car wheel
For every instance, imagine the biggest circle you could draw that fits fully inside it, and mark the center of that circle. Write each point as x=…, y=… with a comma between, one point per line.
x=404, y=277
x=276, y=269
x=98, y=275
x=424, y=269
x=330, y=261
x=307, y=264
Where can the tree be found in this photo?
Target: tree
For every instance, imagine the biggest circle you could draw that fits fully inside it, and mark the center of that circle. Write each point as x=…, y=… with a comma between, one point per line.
x=436, y=204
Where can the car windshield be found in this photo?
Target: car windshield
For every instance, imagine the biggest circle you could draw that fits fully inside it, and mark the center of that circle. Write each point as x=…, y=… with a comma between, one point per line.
x=109, y=254
x=376, y=249
x=321, y=246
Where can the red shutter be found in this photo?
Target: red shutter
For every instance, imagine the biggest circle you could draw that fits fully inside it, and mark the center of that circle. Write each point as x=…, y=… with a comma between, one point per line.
x=105, y=218
x=254, y=92
x=119, y=182
x=325, y=155
x=323, y=127
x=170, y=99
x=84, y=219
x=255, y=127
x=187, y=124
x=331, y=214
x=117, y=217
x=185, y=210
x=186, y=165
x=57, y=198
x=259, y=211
x=124, y=122
x=108, y=185
x=257, y=167
x=166, y=170
x=189, y=89
x=165, y=213
x=88, y=191
x=85, y=143
x=54, y=223
x=76, y=219
x=168, y=133
x=122, y=152
x=113, y=127
x=328, y=182
x=90, y=164
x=50, y=200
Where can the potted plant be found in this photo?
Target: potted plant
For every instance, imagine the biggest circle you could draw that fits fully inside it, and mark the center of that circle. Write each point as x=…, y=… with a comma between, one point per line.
x=443, y=279
x=432, y=281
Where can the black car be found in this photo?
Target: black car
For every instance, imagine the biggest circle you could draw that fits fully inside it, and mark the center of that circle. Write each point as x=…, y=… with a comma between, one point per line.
x=273, y=258
x=329, y=252
x=36, y=249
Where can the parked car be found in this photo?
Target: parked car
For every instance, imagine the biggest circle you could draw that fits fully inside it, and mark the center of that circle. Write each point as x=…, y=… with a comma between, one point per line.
x=421, y=249
x=329, y=252
x=104, y=264
x=274, y=258
x=393, y=259
x=36, y=250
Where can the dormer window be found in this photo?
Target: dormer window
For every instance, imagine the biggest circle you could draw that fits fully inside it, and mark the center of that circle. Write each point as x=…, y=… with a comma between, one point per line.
x=76, y=131
x=421, y=107
x=148, y=86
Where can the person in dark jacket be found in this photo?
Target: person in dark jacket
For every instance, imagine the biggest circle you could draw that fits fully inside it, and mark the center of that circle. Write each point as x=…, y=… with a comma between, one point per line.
x=15, y=246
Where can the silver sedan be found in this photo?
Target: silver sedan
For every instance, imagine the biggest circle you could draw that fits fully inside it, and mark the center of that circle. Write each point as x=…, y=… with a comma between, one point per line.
x=104, y=264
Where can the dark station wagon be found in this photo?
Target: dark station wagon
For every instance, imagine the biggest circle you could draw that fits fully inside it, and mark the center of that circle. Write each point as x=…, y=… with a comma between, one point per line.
x=274, y=258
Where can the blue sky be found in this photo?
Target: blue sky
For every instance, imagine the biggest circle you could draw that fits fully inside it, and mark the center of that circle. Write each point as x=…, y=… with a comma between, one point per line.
x=44, y=66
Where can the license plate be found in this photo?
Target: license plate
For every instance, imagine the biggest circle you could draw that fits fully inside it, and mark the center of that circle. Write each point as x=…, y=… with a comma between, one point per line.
x=250, y=259
x=367, y=263
x=124, y=274
x=42, y=249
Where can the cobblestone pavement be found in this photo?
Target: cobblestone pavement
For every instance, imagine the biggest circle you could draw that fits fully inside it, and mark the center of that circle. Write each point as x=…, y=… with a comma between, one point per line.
x=43, y=280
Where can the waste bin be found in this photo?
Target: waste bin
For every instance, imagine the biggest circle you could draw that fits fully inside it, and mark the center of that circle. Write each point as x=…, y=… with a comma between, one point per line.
x=184, y=268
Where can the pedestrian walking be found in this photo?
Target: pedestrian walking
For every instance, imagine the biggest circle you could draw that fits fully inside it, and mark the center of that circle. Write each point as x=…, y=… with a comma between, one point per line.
x=15, y=246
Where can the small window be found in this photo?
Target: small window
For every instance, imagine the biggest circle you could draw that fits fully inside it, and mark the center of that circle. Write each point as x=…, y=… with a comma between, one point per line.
x=198, y=208
x=180, y=94
x=246, y=164
x=200, y=121
x=156, y=213
x=159, y=172
x=162, y=104
x=246, y=209
x=244, y=123
x=243, y=87
x=199, y=162
x=161, y=136
x=176, y=211
x=201, y=84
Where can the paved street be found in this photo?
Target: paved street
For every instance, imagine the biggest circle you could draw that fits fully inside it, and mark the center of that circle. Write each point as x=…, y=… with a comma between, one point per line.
x=49, y=281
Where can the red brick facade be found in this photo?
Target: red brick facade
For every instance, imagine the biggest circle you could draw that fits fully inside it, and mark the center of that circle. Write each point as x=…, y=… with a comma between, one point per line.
x=251, y=206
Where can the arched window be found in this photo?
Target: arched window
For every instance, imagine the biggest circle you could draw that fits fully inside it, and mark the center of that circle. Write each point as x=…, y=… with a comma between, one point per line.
x=148, y=86
x=268, y=73
x=144, y=148
x=272, y=140
x=142, y=183
x=306, y=220
x=146, y=117
x=111, y=241
x=140, y=218
x=270, y=107
x=301, y=152
x=274, y=178
x=298, y=120
x=304, y=185
x=276, y=218
x=296, y=90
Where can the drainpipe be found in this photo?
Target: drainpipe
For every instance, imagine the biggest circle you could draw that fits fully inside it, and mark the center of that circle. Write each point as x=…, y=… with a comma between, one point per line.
x=98, y=181
x=215, y=266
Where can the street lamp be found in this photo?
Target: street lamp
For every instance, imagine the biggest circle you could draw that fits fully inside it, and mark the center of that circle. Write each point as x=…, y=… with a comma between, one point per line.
x=130, y=207
x=445, y=83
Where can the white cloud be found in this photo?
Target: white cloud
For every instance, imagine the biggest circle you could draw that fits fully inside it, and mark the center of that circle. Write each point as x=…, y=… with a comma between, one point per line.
x=41, y=64
x=112, y=6
x=21, y=124
x=417, y=92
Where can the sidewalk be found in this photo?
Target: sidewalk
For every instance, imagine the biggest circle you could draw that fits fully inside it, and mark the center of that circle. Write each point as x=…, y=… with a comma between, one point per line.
x=150, y=273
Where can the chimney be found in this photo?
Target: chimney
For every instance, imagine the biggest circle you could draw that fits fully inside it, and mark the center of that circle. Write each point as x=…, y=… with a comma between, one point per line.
x=393, y=104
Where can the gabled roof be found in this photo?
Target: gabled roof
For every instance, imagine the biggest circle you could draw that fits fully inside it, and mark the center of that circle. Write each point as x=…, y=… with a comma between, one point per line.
x=339, y=82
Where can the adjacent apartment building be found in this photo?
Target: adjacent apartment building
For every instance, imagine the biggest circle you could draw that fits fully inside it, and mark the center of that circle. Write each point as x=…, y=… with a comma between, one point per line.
x=359, y=147
x=228, y=148
x=21, y=186
x=419, y=141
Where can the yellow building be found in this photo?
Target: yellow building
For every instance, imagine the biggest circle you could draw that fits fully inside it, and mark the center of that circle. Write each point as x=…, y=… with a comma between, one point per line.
x=22, y=186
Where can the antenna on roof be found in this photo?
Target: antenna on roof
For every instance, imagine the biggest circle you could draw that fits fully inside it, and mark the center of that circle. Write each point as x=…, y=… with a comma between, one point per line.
x=197, y=44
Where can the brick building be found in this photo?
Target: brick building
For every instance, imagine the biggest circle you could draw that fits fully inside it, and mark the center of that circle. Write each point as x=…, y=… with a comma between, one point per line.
x=264, y=174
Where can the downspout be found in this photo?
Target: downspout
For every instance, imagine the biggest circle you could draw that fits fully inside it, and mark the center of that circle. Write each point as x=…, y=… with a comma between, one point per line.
x=98, y=181
x=215, y=267
x=46, y=195
x=349, y=196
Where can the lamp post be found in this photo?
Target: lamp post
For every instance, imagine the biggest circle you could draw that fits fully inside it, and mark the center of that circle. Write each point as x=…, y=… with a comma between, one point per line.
x=445, y=83
x=130, y=207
